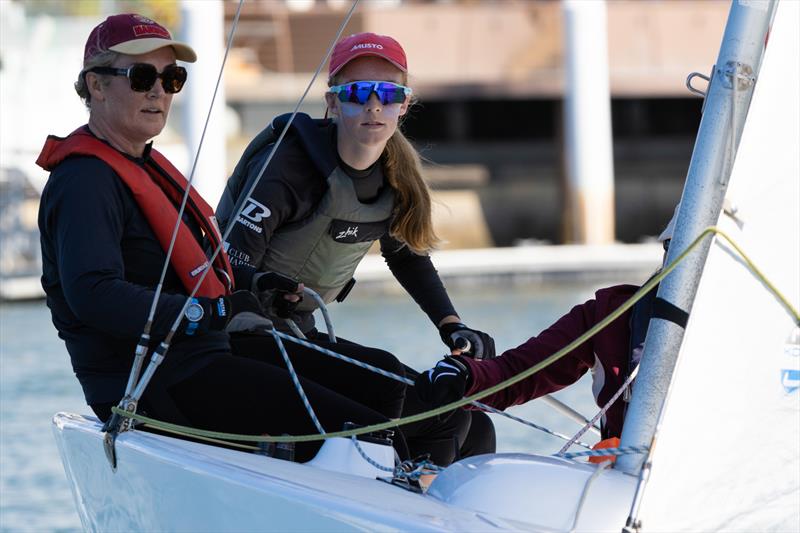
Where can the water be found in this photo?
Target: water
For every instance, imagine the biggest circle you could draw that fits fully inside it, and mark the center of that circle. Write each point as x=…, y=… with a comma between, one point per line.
x=36, y=381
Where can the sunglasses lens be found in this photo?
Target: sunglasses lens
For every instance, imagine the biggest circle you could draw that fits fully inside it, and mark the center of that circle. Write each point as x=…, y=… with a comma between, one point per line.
x=173, y=78
x=359, y=92
x=356, y=93
x=391, y=93
x=142, y=76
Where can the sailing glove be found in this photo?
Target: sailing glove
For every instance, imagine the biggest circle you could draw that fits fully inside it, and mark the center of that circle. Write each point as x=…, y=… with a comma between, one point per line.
x=445, y=383
x=478, y=345
x=273, y=281
x=231, y=310
x=273, y=287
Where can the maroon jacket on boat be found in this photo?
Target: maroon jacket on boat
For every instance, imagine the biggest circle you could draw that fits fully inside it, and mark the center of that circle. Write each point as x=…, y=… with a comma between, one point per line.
x=606, y=355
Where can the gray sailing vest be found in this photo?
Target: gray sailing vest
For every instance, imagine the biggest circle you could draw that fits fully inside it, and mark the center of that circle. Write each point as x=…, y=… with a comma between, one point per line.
x=324, y=251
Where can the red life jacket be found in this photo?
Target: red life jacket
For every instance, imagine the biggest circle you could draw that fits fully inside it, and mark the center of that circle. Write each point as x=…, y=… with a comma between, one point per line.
x=157, y=188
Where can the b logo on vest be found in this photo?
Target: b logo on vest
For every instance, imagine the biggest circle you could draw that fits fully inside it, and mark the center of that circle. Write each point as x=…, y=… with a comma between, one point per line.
x=253, y=213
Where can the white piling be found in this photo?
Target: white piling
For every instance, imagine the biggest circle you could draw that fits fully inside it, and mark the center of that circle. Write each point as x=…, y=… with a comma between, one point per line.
x=203, y=29
x=588, y=157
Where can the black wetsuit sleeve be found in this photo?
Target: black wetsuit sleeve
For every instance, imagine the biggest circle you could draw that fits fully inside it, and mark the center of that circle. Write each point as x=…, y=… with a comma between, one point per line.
x=287, y=192
x=272, y=203
x=86, y=208
x=418, y=277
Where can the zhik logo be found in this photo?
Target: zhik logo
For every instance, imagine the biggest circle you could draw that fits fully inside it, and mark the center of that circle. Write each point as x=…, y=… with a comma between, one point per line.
x=351, y=231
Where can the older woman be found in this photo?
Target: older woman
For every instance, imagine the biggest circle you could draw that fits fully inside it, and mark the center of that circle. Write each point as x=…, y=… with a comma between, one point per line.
x=106, y=219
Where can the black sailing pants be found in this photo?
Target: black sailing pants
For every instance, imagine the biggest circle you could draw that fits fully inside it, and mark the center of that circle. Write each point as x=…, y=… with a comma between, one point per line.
x=252, y=393
x=246, y=396
x=446, y=438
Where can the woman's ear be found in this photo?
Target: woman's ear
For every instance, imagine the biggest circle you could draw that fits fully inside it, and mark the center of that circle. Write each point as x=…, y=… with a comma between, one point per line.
x=95, y=86
x=405, y=105
x=333, y=104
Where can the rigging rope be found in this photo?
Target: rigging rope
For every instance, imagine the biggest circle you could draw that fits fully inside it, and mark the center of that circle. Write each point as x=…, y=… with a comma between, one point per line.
x=600, y=413
x=263, y=168
x=711, y=230
x=144, y=340
x=160, y=352
x=296, y=381
x=408, y=381
x=610, y=452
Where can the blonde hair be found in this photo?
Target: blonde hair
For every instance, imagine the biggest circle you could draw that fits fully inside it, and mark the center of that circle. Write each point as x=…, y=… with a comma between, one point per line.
x=413, y=217
x=412, y=223
x=103, y=59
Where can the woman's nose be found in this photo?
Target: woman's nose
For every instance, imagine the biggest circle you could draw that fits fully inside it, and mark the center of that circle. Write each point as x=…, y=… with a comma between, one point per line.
x=373, y=103
x=157, y=90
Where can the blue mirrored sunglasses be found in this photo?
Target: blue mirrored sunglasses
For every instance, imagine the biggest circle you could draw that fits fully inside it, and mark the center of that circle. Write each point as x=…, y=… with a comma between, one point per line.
x=358, y=92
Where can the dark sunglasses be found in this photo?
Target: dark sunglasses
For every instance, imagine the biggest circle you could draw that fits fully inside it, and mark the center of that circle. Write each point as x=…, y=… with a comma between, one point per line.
x=358, y=92
x=144, y=75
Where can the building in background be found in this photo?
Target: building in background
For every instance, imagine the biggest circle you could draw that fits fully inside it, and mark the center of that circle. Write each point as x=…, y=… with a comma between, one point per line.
x=488, y=73
x=490, y=78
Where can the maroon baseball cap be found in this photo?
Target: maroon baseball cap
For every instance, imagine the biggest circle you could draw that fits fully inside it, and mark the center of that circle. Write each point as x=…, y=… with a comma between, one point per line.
x=367, y=44
x=133, y=34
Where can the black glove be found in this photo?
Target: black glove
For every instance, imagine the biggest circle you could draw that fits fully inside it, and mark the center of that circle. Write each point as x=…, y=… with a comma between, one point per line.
x=278, y=285
x=480, y=344
x=223, y=309
x=272, y=281
x=444, y=383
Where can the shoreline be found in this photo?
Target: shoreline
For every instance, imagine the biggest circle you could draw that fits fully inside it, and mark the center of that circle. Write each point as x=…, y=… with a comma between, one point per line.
x=510, y=265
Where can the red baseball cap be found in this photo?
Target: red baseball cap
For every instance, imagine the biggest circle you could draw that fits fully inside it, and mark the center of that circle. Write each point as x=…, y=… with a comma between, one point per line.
x=133, y=34
x=367, y=44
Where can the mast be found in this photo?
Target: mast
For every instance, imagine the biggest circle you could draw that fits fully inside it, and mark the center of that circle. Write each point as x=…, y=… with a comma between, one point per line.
x=725, y=109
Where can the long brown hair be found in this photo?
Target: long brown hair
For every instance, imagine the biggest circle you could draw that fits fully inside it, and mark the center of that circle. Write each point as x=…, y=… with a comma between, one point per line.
x=412, y=223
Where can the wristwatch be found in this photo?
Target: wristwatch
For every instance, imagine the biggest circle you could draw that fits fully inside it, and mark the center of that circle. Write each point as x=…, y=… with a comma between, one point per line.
x=194, y=314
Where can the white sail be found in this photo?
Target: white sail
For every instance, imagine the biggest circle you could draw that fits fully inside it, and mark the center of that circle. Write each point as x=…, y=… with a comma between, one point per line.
x=727, y=454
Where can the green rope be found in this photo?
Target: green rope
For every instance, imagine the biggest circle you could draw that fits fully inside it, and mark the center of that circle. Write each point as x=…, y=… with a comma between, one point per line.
x=647, y=287
x=158, y=425
x=761, y=277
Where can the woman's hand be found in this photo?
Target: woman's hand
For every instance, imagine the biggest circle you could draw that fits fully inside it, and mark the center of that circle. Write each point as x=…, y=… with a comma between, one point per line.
x=286, y=292
x=478, y=345
x=239, y=311
x=445, y=383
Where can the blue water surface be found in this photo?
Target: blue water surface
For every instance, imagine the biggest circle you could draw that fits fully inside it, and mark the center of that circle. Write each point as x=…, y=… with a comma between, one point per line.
x=36, y=381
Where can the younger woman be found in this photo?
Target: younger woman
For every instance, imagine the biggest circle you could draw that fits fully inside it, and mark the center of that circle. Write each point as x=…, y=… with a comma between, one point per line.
x=332, y=189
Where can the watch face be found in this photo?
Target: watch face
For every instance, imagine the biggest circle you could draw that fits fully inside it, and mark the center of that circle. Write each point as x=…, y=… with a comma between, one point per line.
x=194, y=312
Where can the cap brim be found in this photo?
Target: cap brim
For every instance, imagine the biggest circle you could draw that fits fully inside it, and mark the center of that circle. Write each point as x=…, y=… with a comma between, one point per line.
x=137, y=47
x=368, y=53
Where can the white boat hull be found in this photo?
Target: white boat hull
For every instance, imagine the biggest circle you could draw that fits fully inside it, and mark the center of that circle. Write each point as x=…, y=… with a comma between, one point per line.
x=162, y=483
